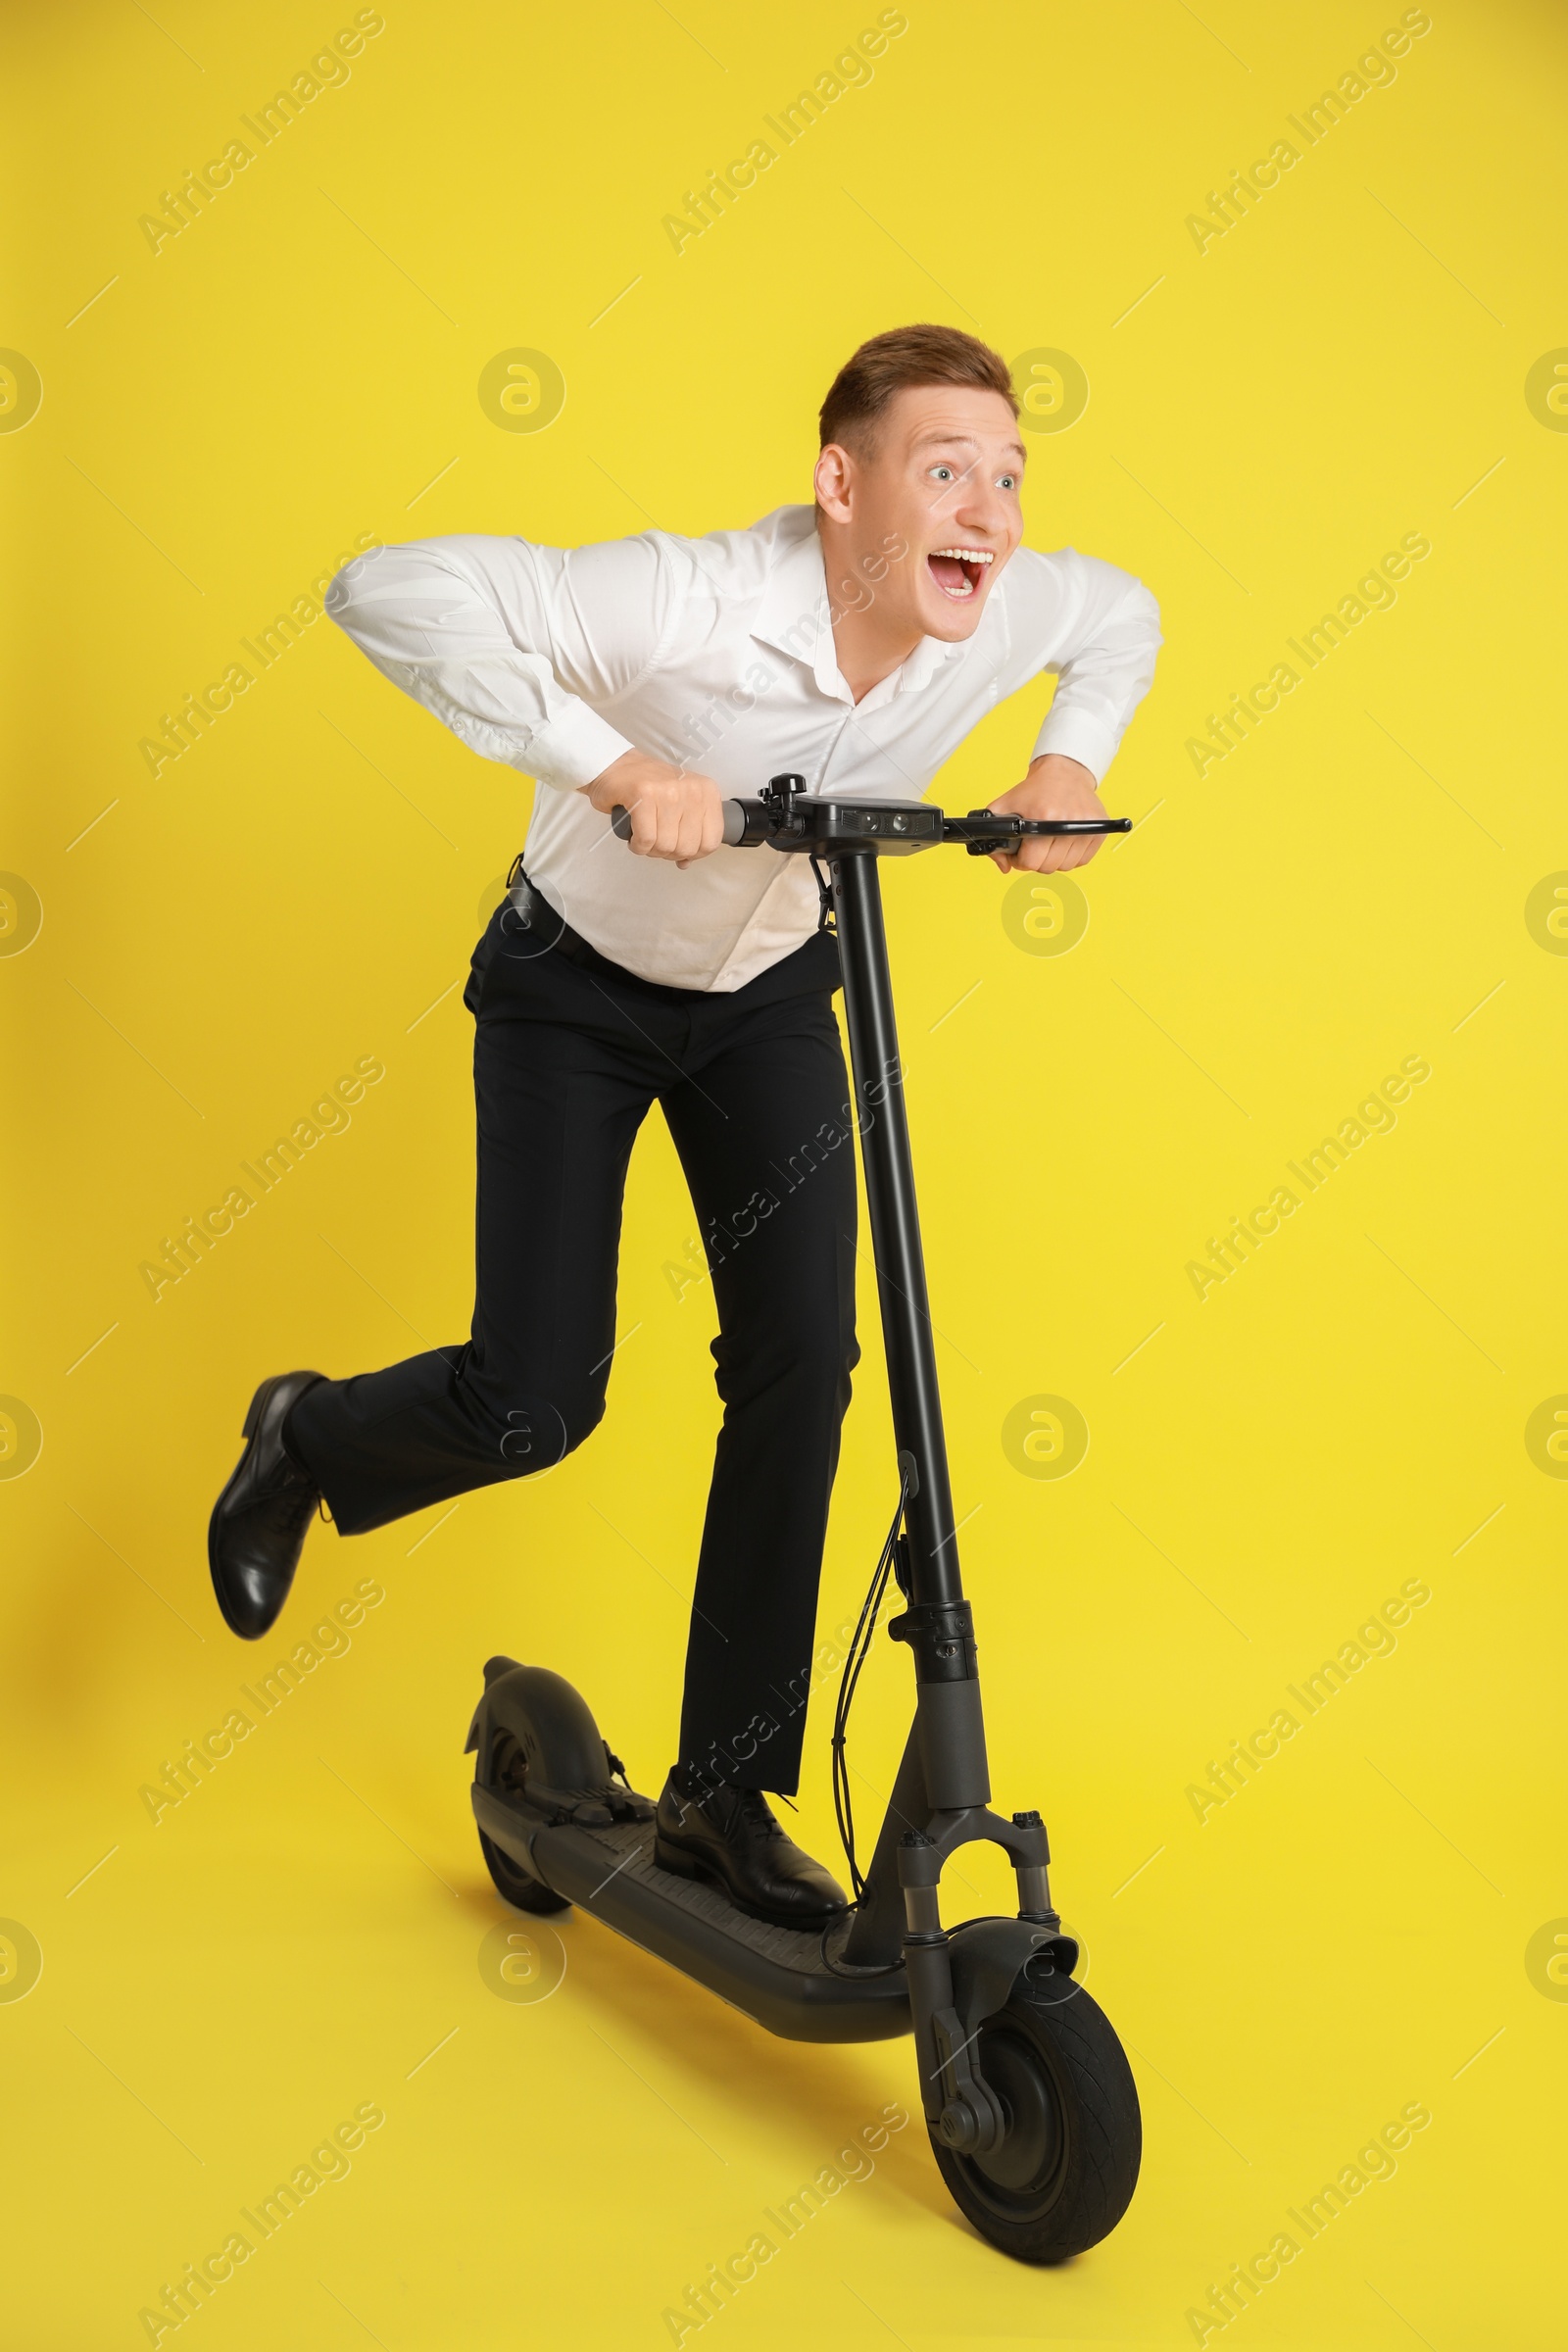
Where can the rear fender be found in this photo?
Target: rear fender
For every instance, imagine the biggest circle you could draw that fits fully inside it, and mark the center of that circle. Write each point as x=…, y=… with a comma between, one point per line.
x=550, y=1722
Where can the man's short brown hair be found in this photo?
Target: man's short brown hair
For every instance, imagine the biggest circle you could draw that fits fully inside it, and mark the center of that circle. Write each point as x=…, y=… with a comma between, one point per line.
x=905, y=357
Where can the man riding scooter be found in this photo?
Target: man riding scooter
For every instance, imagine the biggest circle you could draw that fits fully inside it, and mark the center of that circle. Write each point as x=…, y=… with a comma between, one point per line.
x=856, y=642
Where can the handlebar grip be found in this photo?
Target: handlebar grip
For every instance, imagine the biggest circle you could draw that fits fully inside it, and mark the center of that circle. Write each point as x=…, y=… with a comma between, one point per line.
x=735, y=825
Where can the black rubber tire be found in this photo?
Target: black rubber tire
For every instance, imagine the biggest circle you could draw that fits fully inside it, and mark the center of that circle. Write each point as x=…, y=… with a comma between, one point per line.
x=522, y=1892
x=520, y=1888
x=1066, y=2170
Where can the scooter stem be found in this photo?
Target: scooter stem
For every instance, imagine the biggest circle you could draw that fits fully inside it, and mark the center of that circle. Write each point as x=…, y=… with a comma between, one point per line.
x=895, y=1228
x=948, y=1743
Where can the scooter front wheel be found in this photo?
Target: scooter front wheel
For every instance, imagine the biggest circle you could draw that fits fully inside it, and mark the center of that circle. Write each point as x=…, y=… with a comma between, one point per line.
x=1065, y=2169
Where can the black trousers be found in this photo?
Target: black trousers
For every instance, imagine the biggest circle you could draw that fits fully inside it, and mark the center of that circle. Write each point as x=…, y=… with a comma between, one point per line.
x=570, y=1053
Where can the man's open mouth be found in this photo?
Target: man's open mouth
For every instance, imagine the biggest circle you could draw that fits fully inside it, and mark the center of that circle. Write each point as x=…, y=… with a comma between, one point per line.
x=958, y=570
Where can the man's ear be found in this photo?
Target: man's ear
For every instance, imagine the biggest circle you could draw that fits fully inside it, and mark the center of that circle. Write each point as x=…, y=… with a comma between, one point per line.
x=834, y=481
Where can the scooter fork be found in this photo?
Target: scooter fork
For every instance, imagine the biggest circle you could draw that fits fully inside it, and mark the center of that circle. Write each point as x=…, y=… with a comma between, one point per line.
x=959, y=2104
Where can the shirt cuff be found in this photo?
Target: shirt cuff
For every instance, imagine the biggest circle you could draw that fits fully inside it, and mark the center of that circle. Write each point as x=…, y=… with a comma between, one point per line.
x=573, y=750
x=1075, y=735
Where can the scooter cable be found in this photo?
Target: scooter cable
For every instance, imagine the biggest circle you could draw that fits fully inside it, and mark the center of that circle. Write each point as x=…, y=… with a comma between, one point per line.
x=854, y=1974
x=860, y=1651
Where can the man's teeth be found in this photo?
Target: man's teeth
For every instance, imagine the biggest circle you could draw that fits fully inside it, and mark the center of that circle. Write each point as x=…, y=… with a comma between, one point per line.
x=963, y=586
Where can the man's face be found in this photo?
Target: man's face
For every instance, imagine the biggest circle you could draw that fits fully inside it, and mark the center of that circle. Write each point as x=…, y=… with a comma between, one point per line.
x=941, y=480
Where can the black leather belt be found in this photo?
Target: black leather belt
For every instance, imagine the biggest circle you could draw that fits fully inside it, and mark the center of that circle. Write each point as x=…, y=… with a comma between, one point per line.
x=531, y=912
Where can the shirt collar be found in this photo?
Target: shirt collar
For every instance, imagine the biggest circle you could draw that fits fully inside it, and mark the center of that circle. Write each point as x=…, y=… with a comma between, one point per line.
x=792, y=616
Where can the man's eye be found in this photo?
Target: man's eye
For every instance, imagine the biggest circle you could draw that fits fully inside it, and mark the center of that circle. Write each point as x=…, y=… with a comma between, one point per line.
x=1007, y=481
x=943, y=473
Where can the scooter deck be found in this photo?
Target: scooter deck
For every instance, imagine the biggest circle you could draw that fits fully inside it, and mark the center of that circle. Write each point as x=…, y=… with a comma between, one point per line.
x=778, y=1976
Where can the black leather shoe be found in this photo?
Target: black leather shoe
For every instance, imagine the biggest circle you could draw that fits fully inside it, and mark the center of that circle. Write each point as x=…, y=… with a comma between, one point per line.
x=730, y=1837
x=258, y=1522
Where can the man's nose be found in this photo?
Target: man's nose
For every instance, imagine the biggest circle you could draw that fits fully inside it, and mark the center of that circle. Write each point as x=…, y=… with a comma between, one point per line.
x=981, y=507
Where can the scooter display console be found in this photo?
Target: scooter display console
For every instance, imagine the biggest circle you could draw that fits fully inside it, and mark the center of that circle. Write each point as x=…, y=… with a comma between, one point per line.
x=832, y=829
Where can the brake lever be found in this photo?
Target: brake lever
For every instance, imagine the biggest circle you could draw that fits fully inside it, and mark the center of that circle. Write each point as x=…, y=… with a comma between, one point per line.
x=986, y=830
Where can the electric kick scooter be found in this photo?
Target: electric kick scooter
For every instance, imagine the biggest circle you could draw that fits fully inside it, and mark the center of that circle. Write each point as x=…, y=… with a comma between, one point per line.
x=1028, y=2097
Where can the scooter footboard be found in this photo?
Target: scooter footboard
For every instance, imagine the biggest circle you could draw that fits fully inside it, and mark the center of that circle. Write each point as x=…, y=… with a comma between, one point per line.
x=782, y=1976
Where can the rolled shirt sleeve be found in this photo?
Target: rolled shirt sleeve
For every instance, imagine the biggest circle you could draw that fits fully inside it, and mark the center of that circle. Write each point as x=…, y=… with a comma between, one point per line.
x=510, y=645
x=1106, y=665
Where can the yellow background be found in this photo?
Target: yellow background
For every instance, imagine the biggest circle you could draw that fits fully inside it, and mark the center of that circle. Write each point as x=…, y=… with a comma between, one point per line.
x=295, y=891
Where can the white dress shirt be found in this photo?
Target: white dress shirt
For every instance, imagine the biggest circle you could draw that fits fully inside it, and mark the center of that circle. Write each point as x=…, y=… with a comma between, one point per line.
x=718, y=651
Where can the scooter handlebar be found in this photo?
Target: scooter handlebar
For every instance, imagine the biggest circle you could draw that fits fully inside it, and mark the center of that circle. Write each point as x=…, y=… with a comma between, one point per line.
x=748, y=823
